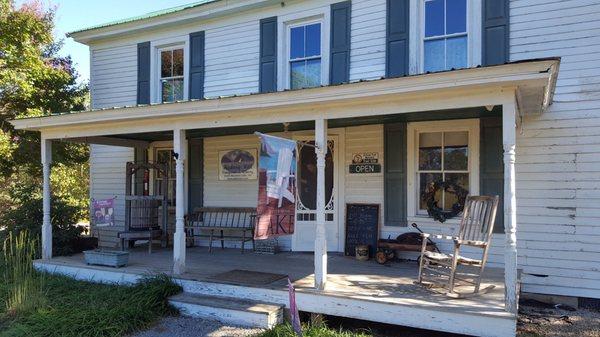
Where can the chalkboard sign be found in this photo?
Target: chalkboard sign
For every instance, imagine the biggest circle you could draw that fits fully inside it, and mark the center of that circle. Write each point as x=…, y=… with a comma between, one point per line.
x=362, y=227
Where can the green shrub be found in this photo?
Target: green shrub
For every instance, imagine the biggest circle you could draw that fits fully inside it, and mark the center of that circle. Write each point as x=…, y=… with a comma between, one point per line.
x=77, y=308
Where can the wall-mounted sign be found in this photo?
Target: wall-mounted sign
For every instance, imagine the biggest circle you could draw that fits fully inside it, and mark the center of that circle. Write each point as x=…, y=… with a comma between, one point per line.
x=365, y=158
x=365, y=162
x=103, y=212
x=239, y=164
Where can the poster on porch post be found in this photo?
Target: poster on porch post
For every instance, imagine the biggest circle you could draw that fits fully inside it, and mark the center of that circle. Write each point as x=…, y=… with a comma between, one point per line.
x=276, y=188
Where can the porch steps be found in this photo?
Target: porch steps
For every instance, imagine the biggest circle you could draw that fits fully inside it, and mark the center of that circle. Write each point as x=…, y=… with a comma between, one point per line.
x=229, y=310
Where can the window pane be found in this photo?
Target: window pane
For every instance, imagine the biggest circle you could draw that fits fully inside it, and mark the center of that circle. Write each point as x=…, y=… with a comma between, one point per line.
x=426, y=181
x=165, y=64
x=456, y=16
x=456, y=151
x=430, y=151
x=434, y=18
x=167, y=91
x=434, y=55
x=456, y=52
x=460, y=179
x=313, y=73
x=178, y=62
x=178, y=89
x=297, y=74
x=313, y=40
x=297, y=42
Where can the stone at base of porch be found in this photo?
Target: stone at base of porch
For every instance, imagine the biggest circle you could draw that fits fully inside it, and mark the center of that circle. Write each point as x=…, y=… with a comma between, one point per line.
x=360, y=290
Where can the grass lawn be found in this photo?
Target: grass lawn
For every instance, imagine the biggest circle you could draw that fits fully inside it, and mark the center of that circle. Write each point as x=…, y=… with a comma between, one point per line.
x=75, y=308
x=285, y=330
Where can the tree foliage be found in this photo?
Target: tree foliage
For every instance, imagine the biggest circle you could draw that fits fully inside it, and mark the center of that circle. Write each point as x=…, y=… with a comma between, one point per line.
x=36, y=81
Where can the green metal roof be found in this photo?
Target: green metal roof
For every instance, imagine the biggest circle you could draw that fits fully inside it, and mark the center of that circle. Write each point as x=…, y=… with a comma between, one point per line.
x=147, y=16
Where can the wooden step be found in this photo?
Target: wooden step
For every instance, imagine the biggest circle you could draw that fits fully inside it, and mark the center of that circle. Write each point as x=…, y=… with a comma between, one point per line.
x=229, y=310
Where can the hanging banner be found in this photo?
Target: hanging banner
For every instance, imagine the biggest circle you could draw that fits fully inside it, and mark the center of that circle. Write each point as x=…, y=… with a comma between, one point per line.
x=103, y=212
x=276, y=187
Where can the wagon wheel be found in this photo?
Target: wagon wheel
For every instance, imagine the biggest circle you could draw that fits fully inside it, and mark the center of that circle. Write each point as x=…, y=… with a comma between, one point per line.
x=381, y=256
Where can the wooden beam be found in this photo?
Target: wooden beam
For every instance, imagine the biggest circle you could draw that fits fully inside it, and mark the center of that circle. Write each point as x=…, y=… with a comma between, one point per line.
x=46, y=150
x=320, y=237
x=179, y=236
x=112, y=141
x=509, y=113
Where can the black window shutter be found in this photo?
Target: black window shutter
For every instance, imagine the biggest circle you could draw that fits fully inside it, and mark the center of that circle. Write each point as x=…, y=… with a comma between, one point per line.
x=491, y=166
x=268, y=55
x=395, y=174
x=140, y=155
x=143, y=73
x=495, y=35
x=196, y=89
x=196, y=173
x=397, y=32
x=339, y=58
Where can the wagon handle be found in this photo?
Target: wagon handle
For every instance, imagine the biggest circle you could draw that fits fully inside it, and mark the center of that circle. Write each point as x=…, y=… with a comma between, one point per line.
x=414, y=224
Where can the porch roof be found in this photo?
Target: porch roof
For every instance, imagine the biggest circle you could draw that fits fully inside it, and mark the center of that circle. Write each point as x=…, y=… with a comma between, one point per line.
x=532, y=83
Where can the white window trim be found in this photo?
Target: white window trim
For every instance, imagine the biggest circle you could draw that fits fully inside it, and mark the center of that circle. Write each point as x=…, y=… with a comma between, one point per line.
x=417, y=33
x=163, y=45
x=285, y=23
x=413, y=130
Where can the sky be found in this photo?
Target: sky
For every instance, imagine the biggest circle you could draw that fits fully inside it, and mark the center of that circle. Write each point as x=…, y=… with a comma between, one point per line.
x=73, y=15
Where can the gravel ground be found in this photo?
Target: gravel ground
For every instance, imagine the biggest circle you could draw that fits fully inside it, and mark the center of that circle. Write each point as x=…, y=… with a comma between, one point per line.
x=193, y=327
x=545, y=321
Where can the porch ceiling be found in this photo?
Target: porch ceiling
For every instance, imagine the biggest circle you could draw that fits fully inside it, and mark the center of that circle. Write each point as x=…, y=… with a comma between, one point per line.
x=530, y=83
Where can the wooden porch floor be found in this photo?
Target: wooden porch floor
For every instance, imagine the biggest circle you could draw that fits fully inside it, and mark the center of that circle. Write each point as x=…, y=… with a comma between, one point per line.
x=363, y=282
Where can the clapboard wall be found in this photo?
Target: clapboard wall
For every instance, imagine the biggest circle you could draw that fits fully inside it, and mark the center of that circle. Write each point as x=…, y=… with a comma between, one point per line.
x=558, y=152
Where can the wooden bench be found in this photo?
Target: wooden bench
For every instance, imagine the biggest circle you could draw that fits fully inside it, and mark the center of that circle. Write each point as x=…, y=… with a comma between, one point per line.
x=231, y=223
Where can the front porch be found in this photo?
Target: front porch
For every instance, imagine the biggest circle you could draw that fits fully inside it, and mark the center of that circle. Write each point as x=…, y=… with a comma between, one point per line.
x=394, y=113
x=361, y=290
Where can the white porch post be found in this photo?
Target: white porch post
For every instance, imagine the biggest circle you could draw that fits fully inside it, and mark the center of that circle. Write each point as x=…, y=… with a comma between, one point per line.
x=510, y=206
x=320, y=237
x=46, y=147
x=179, y=236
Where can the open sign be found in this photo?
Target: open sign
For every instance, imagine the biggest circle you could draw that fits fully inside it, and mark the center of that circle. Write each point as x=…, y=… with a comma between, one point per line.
x=365, y=168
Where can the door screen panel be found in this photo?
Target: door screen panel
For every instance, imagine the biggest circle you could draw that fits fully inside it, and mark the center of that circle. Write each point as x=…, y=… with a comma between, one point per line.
x=307, y=182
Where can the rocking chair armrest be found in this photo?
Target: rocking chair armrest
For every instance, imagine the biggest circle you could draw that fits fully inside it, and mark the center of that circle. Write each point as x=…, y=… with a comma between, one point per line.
x=480, y=244
x=438, y=236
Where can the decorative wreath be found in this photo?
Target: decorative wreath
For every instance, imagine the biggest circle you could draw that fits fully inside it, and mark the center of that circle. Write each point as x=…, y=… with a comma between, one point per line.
x=437, y=212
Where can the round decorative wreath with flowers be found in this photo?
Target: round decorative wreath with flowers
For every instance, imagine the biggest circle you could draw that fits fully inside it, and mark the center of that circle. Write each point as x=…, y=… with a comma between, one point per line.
x=437, y=212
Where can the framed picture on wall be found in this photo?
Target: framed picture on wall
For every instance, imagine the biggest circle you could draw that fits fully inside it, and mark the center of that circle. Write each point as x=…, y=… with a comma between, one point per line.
x=238, y=164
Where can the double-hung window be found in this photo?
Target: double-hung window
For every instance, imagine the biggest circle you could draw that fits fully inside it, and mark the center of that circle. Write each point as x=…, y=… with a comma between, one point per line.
x=171, y=74
x=305, y=55
x=442, y=151
x=445, y=39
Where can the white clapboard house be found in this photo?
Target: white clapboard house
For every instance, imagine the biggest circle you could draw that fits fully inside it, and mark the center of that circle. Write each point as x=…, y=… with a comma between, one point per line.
x=513, y=84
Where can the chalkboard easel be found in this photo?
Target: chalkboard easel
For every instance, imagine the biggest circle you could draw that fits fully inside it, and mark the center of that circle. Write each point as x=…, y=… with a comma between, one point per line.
x=362, y=227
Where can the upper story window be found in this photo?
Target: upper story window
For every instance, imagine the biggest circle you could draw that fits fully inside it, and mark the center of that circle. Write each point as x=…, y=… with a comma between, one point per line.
x=445, y=39
x=305, y=55
x=171, y=74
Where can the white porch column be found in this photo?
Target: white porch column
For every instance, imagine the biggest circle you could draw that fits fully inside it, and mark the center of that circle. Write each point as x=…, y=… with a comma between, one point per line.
x=179, y=236
x=509, y=111
x=46, y=147
x=320, y=237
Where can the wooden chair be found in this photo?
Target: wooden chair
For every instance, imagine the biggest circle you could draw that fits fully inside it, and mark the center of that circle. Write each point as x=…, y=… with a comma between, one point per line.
x=475, y=230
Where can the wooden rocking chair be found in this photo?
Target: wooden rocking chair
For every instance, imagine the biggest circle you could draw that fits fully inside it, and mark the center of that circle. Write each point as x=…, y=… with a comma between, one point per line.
x=475, y=230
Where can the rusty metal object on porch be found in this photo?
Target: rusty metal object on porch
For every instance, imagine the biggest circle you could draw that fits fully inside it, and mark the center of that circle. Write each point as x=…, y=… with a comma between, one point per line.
x=407, y=242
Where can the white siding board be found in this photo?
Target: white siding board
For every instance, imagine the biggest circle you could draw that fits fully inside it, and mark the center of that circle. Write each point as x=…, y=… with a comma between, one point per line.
x=558, y=151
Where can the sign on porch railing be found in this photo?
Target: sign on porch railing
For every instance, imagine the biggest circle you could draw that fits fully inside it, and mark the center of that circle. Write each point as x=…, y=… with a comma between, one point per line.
x=103, y=212
x=276, y=187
